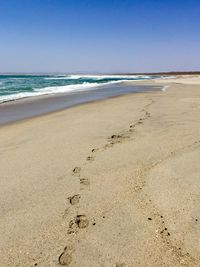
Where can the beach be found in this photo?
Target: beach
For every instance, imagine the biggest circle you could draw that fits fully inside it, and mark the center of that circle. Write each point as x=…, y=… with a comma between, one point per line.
x=113, y=182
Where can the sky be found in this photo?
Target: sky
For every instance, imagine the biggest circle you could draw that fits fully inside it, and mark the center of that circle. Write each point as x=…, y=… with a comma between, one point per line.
x=99, y=36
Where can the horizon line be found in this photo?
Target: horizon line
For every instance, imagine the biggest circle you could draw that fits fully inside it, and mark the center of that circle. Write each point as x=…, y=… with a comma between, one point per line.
x=104, y=73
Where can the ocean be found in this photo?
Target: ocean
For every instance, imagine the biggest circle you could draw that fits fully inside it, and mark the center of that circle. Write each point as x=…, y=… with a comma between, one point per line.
x=14, y=87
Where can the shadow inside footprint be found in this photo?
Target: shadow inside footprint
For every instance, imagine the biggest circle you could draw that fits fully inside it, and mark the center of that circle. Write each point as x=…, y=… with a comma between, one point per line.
x=84, y=181
x=94, y=150
x=140, y=121
x=148, y=114
x=76, y=170
x=74, y=199
x=116, y=136
x=120, y=264
x=66, y=256
x=82, y=221
x=90, y=158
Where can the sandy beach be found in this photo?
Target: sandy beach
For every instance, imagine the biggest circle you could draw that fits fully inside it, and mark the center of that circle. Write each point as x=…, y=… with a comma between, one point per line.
x=110, y=183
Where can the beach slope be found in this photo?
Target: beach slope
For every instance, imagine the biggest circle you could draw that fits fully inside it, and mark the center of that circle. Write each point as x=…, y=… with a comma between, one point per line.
x=109, y=183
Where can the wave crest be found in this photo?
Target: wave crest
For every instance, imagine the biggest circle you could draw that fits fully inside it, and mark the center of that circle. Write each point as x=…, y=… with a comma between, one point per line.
x=55, y=90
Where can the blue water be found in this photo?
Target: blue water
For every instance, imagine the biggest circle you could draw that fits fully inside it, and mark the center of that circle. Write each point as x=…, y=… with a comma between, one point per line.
x=13, y=87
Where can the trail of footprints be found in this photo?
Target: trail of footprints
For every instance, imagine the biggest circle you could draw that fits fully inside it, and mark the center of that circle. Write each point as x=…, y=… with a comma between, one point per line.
x=82, y=222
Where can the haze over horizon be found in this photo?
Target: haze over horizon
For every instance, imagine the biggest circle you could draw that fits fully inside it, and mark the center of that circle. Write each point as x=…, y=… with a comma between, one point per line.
x=99, y=36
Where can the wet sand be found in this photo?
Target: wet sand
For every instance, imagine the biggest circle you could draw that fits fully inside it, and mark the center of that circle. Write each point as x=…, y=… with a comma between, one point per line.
x=31, y=107
x=109, y=183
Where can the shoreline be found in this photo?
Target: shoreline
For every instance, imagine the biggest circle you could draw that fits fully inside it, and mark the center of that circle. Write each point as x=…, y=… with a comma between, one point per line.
x=129, y=165
x=55, y=85
x=26, y=108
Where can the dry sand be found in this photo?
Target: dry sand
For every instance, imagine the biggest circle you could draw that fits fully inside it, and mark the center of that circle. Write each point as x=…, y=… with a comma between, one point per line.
x=133, y=164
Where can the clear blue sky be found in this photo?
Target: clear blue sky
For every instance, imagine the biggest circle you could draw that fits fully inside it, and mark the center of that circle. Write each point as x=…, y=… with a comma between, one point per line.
x=99, y=35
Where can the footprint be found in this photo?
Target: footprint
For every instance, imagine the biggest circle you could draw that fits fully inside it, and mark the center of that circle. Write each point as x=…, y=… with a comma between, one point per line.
x=164, y=232
x=94, y=150
x=72, y=227
x=90, y=158
x=108, y=145
x=121, y=265
x=140, y=121
x=148, y=114
x=74, y=199
x=84, y=181
x=65, y=257
x=116, y=136
x=115, y=139
x=76, y=170
x=82, y=221
x=131, y=127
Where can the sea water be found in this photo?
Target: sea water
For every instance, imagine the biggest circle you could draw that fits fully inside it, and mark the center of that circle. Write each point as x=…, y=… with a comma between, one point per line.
x=14, y=87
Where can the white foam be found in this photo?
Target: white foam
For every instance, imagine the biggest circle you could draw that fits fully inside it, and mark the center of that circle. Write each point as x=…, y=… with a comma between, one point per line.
x=17, y=96
x=98, y=77
x=168, y=77
x=55, y=90
x=72, y=88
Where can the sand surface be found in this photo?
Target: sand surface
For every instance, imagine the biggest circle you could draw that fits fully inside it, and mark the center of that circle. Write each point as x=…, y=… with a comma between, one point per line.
x=130, y=165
